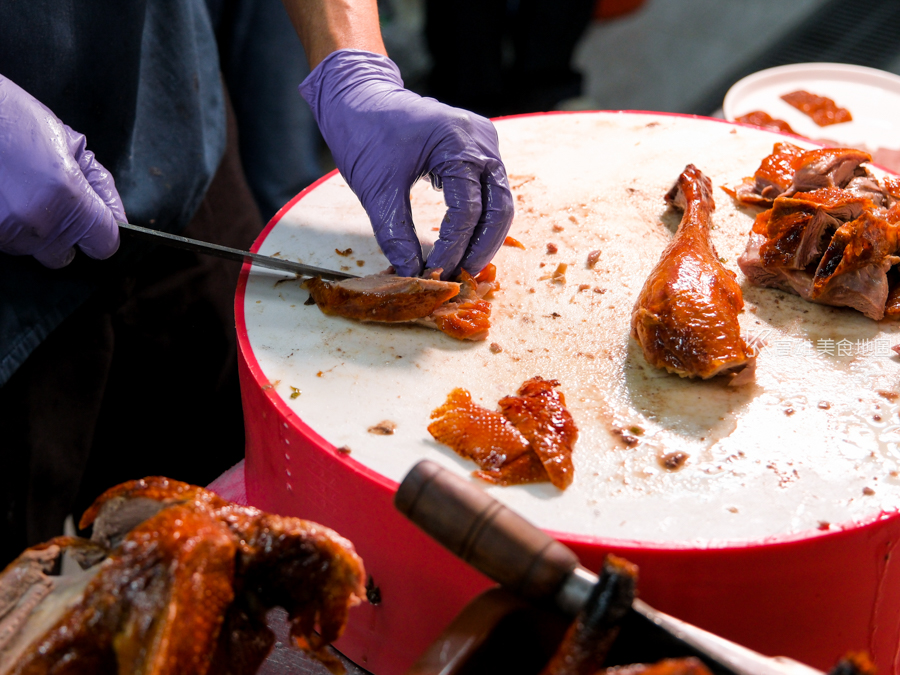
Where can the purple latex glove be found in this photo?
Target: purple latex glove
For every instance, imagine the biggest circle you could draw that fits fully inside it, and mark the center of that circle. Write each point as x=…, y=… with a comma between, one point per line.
x=384, y=138
x=53, y=194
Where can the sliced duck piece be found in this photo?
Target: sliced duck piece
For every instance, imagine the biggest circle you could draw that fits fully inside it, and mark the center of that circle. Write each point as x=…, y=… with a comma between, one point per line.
x=853, y=270
x=529, y=440
x=456, y=308
x=467, y=316
x=381, y=297
x=686, y=316
x=826, y=167
x=821, y=109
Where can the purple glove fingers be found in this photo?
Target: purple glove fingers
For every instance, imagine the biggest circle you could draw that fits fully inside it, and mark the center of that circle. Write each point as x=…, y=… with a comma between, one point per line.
x=391, y=216
x=384, y=138
x=101, y=238
x=47, y=205
x=462, y=194
x=494, y=224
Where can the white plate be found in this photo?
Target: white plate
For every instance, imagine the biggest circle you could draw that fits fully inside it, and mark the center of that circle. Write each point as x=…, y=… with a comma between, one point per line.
x=872, y=97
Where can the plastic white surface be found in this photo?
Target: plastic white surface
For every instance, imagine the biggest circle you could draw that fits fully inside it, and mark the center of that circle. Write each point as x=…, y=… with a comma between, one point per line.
x=812, y=441
x=872, y=97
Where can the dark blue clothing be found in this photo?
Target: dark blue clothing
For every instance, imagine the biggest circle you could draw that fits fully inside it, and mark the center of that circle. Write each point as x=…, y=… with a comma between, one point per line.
x=263, y=62
x=140, y=79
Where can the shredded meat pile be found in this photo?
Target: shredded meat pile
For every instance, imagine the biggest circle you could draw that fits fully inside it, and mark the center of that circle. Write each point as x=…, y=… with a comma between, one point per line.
x=457, y=308
x=529, y=440
x=831, y=232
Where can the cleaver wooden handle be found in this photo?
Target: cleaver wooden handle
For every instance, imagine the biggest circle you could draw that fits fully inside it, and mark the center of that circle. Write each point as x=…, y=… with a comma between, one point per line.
x=484, y=533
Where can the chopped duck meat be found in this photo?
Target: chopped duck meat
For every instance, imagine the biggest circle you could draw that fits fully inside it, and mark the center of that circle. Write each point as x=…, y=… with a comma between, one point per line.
x=686, y=316
x=684, y=666
x=381, y=297
x=760, y=118
x=853, y=269
x=790, y=169
x=826, y=167
x=773, y=177
x=174, y=580
x=587, y=642
x=833, y=243
x=530, y=439
x=821, y=109
x=468, y=315
x=798, y=228
x=457, y=308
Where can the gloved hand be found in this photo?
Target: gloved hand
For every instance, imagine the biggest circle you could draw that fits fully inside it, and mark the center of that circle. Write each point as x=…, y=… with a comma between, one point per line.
x=384, y=138
x=53, y=194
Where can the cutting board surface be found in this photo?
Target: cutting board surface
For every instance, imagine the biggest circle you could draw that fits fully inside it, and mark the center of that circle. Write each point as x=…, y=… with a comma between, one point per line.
x=814, y=443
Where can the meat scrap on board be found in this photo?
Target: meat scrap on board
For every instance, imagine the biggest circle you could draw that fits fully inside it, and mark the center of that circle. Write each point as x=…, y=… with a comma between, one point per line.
x=457, y=308
x=529, y=440
x=686, y=316
x=175, y=579
x=831, y=234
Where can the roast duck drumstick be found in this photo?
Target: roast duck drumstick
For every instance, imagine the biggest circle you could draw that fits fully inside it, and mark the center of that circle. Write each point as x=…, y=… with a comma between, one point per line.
x=686, y=316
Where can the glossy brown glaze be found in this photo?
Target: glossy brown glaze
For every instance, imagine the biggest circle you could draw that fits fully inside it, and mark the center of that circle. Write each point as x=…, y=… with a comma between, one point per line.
x=529, y=440
x=821, y=109
x=686, y=316
x=186, y=590
x=381, y=297
x=763, y=119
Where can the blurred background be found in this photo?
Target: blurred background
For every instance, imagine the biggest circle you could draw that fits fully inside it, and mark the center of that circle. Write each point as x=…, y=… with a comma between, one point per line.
x=500, y=57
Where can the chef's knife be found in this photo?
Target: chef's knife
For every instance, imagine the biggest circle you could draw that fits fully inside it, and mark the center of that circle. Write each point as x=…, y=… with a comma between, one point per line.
x=229, y=253
x=510, y=550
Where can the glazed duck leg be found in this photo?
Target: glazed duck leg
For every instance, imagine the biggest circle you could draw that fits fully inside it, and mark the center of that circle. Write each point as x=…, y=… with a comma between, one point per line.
x=686, y=317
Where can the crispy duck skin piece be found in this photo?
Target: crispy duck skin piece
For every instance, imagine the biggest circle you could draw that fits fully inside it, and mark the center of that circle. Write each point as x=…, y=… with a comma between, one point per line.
x=853, y=270
x=821, y=109
x=773, y=177
x=530, y=440
x=761, y=118
x=184, y=588
x=684, y=666
x=539, y=413
x=467, y=316
x=686, y=316
x=476, y=433
x=381, y=297
x=525, y=468
x=587, y=641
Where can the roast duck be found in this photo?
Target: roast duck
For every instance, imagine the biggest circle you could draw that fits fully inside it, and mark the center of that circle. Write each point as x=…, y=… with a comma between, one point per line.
x=174, y=580
x=830, y=230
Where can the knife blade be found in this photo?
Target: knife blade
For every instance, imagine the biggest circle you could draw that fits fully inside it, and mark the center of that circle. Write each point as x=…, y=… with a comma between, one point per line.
x=228, y=253
x=507, y=548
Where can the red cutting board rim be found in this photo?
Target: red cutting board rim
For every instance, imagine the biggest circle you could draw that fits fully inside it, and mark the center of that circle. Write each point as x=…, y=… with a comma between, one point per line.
x=327, y=448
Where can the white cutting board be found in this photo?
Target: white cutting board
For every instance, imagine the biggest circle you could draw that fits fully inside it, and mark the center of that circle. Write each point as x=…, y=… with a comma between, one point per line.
x=811, y=443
